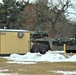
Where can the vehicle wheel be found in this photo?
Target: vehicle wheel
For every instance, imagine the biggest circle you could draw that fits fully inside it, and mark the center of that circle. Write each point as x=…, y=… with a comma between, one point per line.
x=43, y=48
x=34, y=48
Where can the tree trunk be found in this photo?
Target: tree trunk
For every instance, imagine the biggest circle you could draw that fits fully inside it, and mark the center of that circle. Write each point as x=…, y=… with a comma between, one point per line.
x=53, y=31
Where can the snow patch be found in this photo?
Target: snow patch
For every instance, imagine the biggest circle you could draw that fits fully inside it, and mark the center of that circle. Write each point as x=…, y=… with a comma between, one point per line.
x=8, y=74
x=65, y=72
x=36, y=57
x=27, y=57
x=21, y=62
x=51, y=57
x=3, y=70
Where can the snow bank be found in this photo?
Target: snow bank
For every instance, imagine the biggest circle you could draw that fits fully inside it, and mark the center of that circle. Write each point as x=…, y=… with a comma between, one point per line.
x=71, y=59
x=51, y=57
x=27, y=57
x=36, y=57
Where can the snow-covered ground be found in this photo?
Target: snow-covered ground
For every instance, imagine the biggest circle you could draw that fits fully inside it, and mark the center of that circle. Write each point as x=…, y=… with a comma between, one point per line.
x=50, y=56
x=33, y=58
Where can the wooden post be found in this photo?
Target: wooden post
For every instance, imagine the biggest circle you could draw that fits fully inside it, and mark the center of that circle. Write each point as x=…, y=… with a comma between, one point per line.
x=64, y=48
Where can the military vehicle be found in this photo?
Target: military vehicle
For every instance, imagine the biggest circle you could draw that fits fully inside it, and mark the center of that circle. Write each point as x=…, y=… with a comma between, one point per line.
x=42, y=43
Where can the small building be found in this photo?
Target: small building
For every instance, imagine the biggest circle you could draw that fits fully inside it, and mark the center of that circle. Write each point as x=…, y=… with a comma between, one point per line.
x=14, y=41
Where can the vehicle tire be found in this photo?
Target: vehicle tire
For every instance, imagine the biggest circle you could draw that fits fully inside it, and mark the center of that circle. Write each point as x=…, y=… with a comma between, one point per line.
x=43, y=48
x=34, y=48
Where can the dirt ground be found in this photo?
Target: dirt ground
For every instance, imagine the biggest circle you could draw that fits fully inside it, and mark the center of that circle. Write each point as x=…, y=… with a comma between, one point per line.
x=40, y=68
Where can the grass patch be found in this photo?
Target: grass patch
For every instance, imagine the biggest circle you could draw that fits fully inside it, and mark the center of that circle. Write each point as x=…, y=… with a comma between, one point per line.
x=41, y=68
x=3, y=60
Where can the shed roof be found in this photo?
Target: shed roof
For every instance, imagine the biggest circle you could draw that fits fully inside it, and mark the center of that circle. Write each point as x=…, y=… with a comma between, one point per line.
x=13, y=30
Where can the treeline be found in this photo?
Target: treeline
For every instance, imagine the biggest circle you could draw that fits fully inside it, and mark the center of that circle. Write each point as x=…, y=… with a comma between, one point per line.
x=41, y=15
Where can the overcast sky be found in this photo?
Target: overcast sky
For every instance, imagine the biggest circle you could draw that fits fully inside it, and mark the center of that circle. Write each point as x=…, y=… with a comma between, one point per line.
x=0, y=0
x=71, y=10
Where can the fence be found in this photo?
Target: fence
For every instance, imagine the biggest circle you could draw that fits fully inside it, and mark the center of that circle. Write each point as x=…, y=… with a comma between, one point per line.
x=69, y=48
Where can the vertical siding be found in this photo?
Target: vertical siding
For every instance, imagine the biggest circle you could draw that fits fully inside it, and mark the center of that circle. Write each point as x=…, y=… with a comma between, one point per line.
x=0, y=42
x=11, y=43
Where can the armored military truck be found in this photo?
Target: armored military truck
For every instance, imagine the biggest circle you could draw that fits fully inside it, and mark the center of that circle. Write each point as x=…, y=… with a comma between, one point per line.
x=42, y=43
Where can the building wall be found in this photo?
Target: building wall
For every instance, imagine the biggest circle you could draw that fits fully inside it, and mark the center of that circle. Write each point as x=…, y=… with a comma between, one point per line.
x=11, y=43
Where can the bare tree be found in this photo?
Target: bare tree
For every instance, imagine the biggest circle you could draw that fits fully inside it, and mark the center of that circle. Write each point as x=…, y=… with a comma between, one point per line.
x=52, y=12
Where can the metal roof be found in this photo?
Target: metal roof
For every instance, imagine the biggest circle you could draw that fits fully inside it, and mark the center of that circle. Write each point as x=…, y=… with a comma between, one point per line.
x=13, y=30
